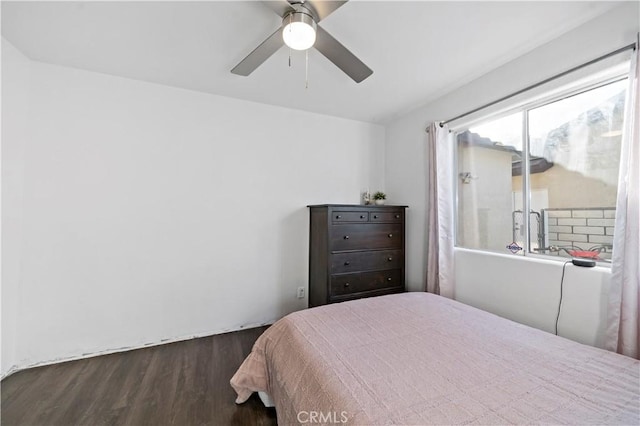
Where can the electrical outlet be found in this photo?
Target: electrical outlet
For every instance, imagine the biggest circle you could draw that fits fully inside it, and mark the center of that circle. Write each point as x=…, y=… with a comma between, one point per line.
x=300, y=292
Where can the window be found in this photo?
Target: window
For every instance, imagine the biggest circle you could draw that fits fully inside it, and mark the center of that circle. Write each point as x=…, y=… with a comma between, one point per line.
x=557, y=161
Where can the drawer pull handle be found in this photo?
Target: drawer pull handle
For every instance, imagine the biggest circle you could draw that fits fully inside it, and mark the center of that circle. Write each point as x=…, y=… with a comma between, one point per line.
x=346, y=284
x=375, y=216
x=389, y=259
x=338, y=217
x=390, y=235
x=397, y=216
x=346, y=237
x=362, y=216
x=347, y=263
x=389, y=279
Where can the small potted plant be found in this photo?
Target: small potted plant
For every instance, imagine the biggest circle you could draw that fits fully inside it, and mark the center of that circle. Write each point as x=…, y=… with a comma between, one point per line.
x=379, y=198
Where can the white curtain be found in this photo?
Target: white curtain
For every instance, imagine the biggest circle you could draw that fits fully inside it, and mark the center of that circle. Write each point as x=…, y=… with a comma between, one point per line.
x=440, y=211
x=624, y=302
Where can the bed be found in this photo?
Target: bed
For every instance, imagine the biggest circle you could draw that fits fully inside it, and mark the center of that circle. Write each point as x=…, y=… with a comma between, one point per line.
x=418, y=358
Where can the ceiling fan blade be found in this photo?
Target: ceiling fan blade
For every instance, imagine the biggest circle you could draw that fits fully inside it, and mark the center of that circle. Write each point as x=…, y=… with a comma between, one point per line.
x=341, y=56
x=323, y=8
x=259, y=54
x=280, y=7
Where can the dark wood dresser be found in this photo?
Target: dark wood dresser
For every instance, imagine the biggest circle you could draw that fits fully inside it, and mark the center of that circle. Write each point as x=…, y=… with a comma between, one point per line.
x=355, y=251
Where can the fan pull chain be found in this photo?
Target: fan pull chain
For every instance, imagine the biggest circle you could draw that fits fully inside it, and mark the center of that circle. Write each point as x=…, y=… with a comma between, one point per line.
x=290, y=47
x=306, y=69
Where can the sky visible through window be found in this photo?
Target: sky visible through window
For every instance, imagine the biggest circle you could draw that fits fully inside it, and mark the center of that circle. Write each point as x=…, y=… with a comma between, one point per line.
x=508, y=130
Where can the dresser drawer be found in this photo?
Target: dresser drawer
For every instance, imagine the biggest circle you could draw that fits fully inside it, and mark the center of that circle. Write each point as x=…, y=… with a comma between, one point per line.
x=366, y=236
x=365, y=281
x=339, y=217
x=386, y=216
x=366, y=260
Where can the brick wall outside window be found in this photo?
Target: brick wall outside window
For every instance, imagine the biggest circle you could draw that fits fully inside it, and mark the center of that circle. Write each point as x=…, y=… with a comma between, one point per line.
x=583, y=228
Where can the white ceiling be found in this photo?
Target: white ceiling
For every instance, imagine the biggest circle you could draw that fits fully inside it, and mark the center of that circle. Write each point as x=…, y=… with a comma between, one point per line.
x=418, y=50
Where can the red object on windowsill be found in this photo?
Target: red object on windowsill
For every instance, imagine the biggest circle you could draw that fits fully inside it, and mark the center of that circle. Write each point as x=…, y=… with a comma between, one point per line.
x=584, y=253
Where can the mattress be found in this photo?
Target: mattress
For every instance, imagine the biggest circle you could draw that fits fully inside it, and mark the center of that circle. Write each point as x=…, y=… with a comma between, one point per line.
x=418, y=358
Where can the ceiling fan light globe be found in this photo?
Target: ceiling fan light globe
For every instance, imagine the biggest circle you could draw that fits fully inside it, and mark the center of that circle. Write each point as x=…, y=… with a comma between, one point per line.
x=299, y=31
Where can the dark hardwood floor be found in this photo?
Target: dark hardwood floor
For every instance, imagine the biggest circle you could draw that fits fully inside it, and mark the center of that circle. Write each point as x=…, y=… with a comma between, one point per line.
x=183, y=383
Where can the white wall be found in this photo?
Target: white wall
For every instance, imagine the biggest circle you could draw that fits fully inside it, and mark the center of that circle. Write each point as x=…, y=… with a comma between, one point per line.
x=405, y=153
x=485, y=203
x=529, y=291
x=154, y=213
x=15, y=94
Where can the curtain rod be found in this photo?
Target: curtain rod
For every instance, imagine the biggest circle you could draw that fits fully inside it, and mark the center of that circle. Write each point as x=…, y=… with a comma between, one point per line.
x=545, y=81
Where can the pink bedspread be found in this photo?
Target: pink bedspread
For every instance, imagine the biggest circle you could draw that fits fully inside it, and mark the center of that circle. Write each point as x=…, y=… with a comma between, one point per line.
x=417, y=358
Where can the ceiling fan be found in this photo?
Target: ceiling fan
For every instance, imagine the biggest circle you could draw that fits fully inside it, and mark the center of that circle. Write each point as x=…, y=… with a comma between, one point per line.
x=300, y=31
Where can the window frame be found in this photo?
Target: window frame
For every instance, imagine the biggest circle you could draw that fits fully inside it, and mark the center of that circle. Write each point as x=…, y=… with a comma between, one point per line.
x=542, y=100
